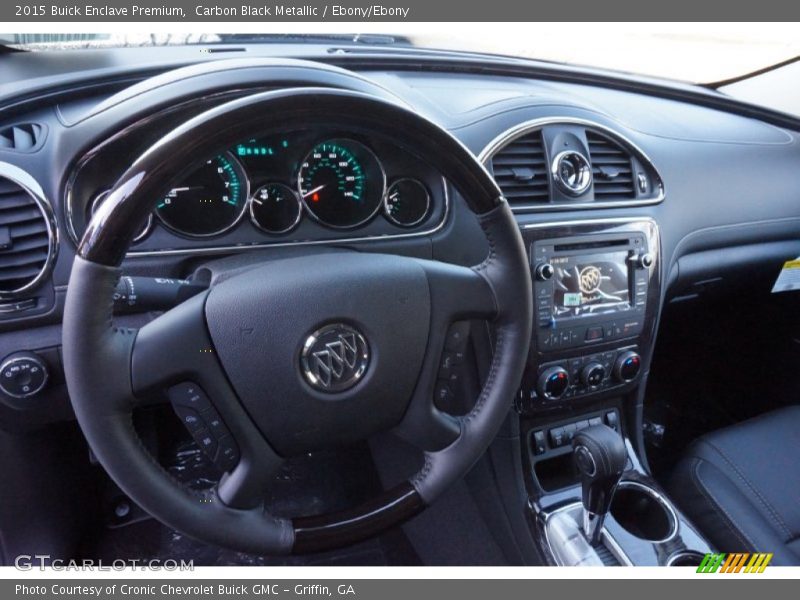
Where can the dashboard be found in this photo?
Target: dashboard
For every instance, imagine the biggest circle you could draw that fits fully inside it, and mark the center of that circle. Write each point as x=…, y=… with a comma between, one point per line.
x=581, y=151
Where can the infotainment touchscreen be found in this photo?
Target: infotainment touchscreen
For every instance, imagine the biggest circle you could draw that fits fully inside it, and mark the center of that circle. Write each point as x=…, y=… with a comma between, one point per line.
x=591, y=284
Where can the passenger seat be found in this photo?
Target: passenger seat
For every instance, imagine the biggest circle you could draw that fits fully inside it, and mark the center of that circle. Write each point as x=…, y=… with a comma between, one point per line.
x=741, y=486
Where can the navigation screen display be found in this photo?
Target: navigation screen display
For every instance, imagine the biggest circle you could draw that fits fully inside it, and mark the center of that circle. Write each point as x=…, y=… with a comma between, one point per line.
x=593, y=284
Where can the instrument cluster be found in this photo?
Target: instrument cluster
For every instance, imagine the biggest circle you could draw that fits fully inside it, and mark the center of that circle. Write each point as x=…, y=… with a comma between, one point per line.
x=336, y=182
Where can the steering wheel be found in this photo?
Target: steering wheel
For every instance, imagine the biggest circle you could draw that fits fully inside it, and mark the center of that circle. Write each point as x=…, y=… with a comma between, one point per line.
x=257, y=346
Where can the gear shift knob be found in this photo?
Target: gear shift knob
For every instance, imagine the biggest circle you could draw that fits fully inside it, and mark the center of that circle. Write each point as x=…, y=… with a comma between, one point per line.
x=600, y=456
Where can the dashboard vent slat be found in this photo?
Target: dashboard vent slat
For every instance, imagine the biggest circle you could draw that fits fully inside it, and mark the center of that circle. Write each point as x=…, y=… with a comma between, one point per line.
x=520, y=169
x=612, y=168
x=25, y=244
x=22, y=137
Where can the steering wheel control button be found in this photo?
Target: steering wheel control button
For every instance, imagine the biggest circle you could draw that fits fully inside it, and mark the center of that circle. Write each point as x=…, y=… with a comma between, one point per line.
x=334, y=358
x=190, y=418
x=457, y=336
x=189, y=395
x=204, y=424
x=227, y=454
x=206, y=440
x=23, y=375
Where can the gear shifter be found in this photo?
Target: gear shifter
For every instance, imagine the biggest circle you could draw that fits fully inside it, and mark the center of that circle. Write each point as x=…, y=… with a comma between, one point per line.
x=600, y=456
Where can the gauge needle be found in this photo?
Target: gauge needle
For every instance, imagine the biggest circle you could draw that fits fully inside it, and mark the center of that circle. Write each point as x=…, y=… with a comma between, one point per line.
x=314, y=191
x=185, y=189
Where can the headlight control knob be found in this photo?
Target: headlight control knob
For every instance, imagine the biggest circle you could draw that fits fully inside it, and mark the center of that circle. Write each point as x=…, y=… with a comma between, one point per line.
x=22, y=375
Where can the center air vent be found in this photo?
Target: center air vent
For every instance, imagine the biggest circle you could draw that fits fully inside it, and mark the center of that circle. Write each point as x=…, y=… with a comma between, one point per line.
x=521, y=171
x=569, y=163
x=27, y=236
x=611, y=167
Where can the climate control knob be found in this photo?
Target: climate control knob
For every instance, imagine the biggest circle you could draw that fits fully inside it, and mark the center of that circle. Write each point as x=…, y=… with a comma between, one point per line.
x=553, y=383
x=544, y=271
x=627, y=366
x=593, y=374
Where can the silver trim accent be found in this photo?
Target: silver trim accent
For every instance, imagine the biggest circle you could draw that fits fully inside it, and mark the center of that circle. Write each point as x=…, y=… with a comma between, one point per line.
x=661, y=499
x=526, y=127
x=73, y=236
x=297, y=219
x=388, y=214
x=611, y=220
x=584, y=173
x=246, y=182
x=308, y=208
x=11, y=361
x=326, y=368
x=606, y=538
x=685, y=553
x=98, y=200
x=26, y=181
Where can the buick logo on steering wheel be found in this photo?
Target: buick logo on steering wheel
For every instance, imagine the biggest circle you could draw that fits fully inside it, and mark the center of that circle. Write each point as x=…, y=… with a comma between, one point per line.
x=334, y=358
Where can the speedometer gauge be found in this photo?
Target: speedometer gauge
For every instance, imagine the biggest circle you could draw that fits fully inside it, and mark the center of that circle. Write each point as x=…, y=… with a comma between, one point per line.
x=341, y=183
x=209, y=201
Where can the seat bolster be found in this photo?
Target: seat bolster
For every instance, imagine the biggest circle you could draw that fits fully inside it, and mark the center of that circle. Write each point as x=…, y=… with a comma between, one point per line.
x=724, y=514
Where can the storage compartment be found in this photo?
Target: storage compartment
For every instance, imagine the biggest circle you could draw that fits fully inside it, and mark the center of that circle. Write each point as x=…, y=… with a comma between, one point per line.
x=557, y=472
x=643, y=512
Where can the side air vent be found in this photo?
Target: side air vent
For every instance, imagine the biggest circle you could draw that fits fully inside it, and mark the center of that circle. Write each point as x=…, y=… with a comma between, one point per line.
x=23, y=137
x=612, y=168
x=520, y=169
x=27, y=238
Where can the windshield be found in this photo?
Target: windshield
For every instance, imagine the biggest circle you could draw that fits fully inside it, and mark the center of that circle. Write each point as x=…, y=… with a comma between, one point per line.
x=693, y=52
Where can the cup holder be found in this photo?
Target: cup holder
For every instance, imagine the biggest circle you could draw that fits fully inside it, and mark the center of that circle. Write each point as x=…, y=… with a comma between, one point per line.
x=685, y=559
x=643, y=512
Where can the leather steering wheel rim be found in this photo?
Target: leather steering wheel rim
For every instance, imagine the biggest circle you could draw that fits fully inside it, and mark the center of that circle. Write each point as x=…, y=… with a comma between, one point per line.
x=499, y=288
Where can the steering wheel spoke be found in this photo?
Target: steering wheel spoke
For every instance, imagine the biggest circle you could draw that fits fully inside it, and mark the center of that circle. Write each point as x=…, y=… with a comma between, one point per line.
x=174, y=353
x=459, y=293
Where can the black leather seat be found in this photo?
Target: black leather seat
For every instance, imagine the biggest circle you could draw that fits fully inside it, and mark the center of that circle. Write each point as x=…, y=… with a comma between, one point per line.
x=741, y=486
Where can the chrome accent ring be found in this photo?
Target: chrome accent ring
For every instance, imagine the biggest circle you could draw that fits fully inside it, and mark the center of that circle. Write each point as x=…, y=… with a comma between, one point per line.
x=26, y=181
x=526, y=127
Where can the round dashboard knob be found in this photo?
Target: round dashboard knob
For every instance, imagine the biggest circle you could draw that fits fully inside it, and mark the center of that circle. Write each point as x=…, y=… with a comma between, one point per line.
x=592, y=374
x=645, y=260
x=544, y=271
x=553, y=383
x=627, y=366
x=22, y=375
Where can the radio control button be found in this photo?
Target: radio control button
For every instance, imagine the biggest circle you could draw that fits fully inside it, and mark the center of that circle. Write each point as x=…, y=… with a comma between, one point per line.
x=594, y=333
x=544, y=271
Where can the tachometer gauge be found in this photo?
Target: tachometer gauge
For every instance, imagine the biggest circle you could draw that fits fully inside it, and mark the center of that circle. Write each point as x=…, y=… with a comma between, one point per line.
x=275, y=208
x=209, y=201
x=341, y=183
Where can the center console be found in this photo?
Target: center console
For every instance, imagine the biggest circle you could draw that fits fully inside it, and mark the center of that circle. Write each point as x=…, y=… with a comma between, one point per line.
x=597, y=288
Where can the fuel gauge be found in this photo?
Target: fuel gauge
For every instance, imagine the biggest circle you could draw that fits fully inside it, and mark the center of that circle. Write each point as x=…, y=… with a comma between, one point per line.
x=407, y=202
x=275, y=208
